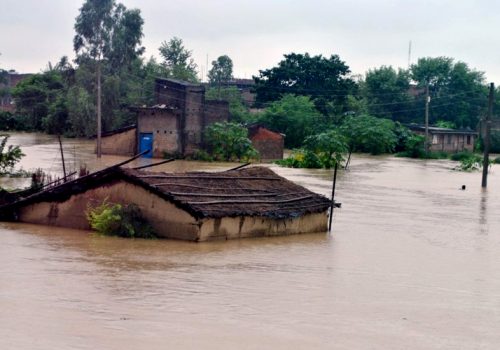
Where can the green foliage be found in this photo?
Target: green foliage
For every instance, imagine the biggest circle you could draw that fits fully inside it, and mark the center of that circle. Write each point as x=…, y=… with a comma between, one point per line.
x=106, y=30
x=9, y=155
x=177, y=60
x=119, y=220
x=386, y=91
x=413, y=147
x=496, y=160
x=229, y=141
x=238, y=111
x=322, y=150
x=369, y=134
x=294, y=116
x=470, y=162
x=329, y=147
x=221, y=72
x=324, y=80
x=445, y=124
x=457, y=92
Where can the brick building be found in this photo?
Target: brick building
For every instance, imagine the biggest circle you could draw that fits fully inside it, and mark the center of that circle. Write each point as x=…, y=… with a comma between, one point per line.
x=447, y=140
x=174, y=125
x=268, y=143
x=11, y=80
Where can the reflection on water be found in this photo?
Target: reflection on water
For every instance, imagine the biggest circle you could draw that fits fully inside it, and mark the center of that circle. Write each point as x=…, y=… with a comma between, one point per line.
x=412, y=263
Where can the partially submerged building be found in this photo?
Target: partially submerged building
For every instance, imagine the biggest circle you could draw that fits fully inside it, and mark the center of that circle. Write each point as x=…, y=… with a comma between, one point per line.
x=173, y=126
x=447, y=140
x=270, y=144
x=195, y=206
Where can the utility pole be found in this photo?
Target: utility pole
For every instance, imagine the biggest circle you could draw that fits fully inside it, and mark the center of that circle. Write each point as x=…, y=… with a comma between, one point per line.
x=99, y=124
x=486, y=137
x=409, y=55
x=62, y=156
x=427, y=101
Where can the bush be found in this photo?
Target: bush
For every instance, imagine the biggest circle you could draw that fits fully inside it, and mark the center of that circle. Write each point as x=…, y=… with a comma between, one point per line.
x=496, y=160
x=323, y=150
x=369, y=134
x=229, y=141
x=9, y=156
x=413, y=147
x=474, y=162
x=119, y=220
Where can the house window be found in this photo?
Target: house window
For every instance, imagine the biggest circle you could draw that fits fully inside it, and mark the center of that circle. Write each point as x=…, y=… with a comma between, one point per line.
x=449, y=139
x=468, y=139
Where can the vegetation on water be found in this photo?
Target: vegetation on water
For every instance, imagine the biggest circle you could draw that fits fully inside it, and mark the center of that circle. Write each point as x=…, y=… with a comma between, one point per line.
x=9, y=155
x=119, y=220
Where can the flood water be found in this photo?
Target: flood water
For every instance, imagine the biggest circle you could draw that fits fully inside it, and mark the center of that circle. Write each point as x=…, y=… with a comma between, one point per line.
x=412, y=263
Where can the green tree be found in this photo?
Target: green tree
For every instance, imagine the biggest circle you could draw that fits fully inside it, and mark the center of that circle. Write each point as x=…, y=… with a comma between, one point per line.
x=294, y=116
x=9, y=155
x=458, y=94
x=386, y=91
x=35, y=95
x=325, y=80
x=221, y=72
x=369, y=134
x=107, y=36
x=229, y=141
x=238, y=111
x=329, y=146
x=178, y=61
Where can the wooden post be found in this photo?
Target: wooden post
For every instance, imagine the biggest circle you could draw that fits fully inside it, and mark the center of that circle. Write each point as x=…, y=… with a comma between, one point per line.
x=487, y=130
x=62, y=156
x=99, y=123
x=333, y=195
x=427, y=100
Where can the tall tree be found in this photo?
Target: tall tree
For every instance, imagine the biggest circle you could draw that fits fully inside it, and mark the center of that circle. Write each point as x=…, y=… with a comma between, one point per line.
x=177, y=60
x=325, y=80
x=221, y=72
x=457, y=93
x=107, y=31
x=386, y=92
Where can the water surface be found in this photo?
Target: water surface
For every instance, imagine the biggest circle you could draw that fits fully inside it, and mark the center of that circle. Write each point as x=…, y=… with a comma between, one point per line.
x=412, y=263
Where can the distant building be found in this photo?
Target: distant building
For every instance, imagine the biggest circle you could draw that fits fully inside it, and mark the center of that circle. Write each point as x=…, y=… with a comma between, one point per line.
x=173, y=126
x=12, y=79
x=447, y=140
x=268, y=143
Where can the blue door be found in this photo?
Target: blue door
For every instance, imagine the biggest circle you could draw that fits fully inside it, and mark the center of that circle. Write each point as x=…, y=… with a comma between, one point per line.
x=146, y=144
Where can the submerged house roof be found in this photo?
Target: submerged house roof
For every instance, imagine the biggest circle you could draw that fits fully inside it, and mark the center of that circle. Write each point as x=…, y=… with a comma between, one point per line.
x=254, y=191
x=437, y=130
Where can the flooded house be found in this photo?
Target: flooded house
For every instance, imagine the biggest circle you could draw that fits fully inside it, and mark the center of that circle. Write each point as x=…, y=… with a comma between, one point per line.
x=270, y=144
x=447, y=140
x=193, y=206
x=173, y=126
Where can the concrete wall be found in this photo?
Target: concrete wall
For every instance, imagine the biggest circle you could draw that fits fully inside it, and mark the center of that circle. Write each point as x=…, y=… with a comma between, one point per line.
x=452, y=142
x=216, y=112
x=193, y=124
x=167, y=220
x=123, y=143
x=244, y=227
x=164, y=124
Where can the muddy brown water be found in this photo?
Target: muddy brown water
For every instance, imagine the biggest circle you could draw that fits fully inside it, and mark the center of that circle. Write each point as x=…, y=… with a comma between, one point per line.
x=413, y=262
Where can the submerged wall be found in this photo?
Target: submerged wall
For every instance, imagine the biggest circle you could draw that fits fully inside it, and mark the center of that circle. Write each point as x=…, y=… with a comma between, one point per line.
x=122, y=143
x=167, y=220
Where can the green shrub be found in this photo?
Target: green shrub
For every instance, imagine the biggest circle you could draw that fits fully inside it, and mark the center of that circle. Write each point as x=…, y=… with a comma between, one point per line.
x=229, y=141
x=496, y=160
x=119, y=220
x=459, y=156
x=9, y=155
x=471, y=162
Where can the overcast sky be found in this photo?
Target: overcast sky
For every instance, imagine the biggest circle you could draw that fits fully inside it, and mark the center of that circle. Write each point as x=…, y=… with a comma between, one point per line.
x=256, y=33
